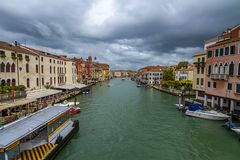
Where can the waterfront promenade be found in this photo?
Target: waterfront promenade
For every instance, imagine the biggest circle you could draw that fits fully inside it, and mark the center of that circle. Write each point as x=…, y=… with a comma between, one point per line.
x=137, y=123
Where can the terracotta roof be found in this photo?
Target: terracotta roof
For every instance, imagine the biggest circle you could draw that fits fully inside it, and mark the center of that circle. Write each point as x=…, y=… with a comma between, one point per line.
x=11, y=47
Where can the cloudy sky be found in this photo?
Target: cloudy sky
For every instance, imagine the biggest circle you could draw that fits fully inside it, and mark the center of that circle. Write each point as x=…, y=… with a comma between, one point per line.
x=127, y=34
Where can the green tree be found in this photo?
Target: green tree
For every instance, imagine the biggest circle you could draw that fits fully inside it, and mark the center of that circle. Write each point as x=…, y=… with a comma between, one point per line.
x=168, y=75
x=182, y=64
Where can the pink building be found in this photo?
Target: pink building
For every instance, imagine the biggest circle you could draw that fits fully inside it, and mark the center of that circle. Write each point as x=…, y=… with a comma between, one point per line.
x=222, y=83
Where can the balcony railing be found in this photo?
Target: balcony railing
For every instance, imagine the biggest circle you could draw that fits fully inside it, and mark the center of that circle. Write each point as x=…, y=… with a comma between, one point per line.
x=8, y=96
x=219, y=76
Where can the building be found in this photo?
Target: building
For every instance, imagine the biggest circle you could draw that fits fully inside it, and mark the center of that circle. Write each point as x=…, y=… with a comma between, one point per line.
x=35, y=69
x=222, y=83
x=199, y=72
x=184, y=73
x=151, y=75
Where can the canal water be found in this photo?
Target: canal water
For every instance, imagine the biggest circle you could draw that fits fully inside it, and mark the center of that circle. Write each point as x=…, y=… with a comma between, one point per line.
x=123, y=122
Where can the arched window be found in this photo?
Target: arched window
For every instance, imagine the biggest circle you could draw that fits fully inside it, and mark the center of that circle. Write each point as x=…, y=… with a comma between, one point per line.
x=231, y=68
x=238, y=68
x=28, y=83
x=42, y=68
x=216, y=69
x=43, y=81
x=225, y=68
x=221, y=69
x=27, y=67
x=8, y=82
x=13, y=82
x=209, y=69
x=3, y=82
x=36, y=68
x=2, y=67
x=8, y=67
x=13, y=67
x=37, y=82
x=50, y=69
x=50, y=80
x=54, y=69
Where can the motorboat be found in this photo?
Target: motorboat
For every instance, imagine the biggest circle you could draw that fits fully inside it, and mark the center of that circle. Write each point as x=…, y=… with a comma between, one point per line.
x=140, y=85
x=236, y=129
x=74, y=110
x=86, y=91
x=71, y=103
x=229, y=125
x=179, y=106
x=123, y=79
x=211, y=115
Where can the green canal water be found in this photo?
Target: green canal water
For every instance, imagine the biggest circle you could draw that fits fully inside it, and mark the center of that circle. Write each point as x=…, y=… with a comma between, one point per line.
x=123, y=122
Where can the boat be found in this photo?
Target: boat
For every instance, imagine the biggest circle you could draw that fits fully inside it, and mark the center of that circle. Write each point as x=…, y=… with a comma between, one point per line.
x=236, y=129
x=180, y=106
x=229, y=125
x=86, y=91
x=123, y=79
x=74, y=110
x=71, y=103
x=197, y=110
x=139, y=85
x=40, y=135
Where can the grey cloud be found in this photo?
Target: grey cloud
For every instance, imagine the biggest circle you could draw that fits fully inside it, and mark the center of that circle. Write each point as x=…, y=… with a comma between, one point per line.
x=125, y=33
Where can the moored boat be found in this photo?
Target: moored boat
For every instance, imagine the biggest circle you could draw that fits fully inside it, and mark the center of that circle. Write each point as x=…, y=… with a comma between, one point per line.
x=211, y=115
x=74, y=110
x=237, y=130
x=40, y=135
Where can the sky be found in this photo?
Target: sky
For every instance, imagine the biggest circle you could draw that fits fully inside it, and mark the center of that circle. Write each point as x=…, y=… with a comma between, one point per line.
x=127, y=34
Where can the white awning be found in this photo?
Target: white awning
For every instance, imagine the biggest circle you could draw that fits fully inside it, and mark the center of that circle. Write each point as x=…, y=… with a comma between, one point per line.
x=71, y=86
x=40, y=93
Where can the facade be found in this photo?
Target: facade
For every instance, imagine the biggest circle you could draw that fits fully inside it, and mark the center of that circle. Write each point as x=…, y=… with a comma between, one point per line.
x=199, y=72
x=222, y=84
x=184, y=74
x=151, y=75
x=33, y=68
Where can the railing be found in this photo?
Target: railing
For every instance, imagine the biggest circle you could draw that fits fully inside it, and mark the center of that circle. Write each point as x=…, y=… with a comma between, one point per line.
x=219, y=76
x=8, y=96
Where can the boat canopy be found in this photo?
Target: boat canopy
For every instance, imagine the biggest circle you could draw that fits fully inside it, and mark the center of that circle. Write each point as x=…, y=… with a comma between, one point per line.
x=194, y=107
x=17, y=130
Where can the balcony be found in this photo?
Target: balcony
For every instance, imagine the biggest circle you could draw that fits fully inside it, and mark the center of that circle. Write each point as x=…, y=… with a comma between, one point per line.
x=219, y=76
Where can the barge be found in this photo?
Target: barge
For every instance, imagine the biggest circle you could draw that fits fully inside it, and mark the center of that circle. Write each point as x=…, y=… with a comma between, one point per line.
x=39, y=136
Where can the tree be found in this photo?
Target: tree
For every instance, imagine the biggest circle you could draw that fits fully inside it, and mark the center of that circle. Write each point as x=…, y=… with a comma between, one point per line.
x=182, y=64
x=168, y=75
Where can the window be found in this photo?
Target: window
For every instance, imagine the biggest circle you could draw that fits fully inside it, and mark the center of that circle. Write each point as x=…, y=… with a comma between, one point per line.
x=238, y=88
x=2, y=67
x=54, y=80
x=209, y=54
x=229, y=87
x=226, y=50
x=8, y=82
x=221, y=51
x=50, y=60
x=36, y=58
x=225, y=69
x=42, y=68
x=37, y=82
x=42, y=59
x=28, y=83
x=231, y=68
x=42, y=81
x=232, y=51
x=27, y=58
x=36, y=68
x=203, y=59
x=202, y=70
x=214, y=85
x=54, y=69
x=8, y=67
x=216, y=53
x=197, y=81
x=13, y=68
x=13, y=82
x=50, y=69
x=202, y=81
x=27, y=68
x=198, y=70
x=238, y=68
x=209, y=84
x=198, y=59
x=50, y=80
x=209, y=69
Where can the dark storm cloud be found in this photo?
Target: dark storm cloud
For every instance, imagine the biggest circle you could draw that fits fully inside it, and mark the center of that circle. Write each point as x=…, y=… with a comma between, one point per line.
x=126, y=34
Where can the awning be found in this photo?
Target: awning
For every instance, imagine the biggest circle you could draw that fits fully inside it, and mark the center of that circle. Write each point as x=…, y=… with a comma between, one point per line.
x=71, y=86
x=40, y=93
x=19, y=102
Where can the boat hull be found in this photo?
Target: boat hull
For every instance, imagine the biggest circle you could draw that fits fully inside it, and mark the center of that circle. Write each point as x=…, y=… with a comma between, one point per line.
x=64, y=141
x=237, y=130
x=205, y=115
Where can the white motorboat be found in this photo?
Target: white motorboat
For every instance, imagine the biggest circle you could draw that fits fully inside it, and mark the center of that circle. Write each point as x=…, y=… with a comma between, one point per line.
x=237, y=130
x=211, y=115
x=67, y=104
